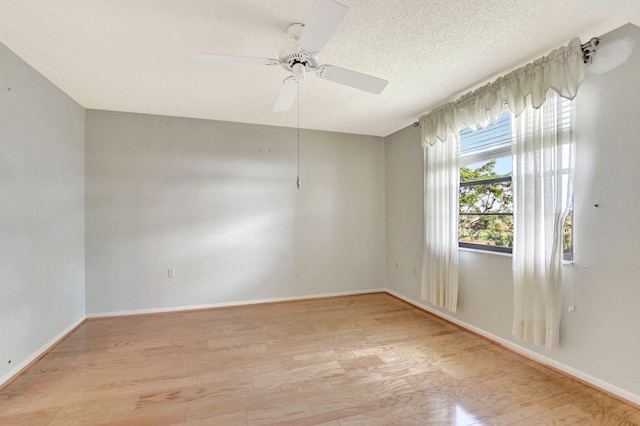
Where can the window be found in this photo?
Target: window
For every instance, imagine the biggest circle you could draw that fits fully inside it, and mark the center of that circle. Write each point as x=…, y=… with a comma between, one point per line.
x=486, y=197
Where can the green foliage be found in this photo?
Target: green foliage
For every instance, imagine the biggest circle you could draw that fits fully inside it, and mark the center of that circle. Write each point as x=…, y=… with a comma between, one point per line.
x=567, y=241
x=485, y=198
x=493, y=198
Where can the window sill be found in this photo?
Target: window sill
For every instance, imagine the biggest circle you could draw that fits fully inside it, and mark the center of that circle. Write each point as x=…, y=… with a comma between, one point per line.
x=497, y=253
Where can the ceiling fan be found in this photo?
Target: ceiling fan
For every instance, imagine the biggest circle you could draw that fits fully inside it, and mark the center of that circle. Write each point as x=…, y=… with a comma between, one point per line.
x=301, y=55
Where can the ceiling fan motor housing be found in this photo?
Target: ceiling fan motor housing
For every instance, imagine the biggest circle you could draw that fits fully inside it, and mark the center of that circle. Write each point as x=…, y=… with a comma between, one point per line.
x=291, y=54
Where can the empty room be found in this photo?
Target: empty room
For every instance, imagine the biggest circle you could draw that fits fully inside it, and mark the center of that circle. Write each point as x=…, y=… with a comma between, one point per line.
x=319, y=212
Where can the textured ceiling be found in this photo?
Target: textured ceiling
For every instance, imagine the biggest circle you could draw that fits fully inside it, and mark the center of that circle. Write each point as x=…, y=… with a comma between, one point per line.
x=136, y=56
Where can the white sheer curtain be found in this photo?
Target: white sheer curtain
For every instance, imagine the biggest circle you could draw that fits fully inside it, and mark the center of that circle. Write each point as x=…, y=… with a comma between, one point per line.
x=530, y=92
x=543, y=154
x=440, y=255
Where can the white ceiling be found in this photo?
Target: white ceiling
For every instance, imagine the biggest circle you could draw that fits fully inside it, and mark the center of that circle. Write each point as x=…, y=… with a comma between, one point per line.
x=136, y=55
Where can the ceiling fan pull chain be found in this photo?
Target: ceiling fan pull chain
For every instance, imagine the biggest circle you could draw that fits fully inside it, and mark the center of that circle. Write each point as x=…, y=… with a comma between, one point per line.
x=298, y=179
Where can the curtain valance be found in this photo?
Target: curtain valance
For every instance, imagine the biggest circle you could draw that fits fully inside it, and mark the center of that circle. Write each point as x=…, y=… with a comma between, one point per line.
x=562, y=70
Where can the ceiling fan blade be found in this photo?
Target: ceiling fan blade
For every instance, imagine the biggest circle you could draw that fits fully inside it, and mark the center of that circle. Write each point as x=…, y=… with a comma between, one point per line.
x=230, y=59
x=324, y=20
x=354, y=79
x=287, y=95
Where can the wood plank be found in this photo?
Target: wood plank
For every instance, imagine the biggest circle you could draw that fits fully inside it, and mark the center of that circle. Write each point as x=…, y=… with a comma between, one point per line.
x=365, y=359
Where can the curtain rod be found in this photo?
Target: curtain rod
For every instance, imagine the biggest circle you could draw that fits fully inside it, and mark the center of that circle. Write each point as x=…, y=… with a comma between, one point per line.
x=588, y=49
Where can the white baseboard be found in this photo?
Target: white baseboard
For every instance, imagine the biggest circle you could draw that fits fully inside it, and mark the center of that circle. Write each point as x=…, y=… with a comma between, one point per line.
x=229, y=304
x=18, y=368
x=527, y=353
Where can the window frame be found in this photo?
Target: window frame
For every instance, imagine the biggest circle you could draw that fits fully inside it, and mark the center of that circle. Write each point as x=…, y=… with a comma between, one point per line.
x=486, y=154
x=485, y=247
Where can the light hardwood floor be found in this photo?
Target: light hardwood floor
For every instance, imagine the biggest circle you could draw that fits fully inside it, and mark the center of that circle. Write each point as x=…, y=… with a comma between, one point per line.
x=357, y=360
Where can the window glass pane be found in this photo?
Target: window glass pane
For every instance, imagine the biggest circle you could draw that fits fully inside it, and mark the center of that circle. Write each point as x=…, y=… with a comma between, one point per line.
x=567, y=243
x=478, y=200
x=486, y=230
x=491, y=169
x=496, y=197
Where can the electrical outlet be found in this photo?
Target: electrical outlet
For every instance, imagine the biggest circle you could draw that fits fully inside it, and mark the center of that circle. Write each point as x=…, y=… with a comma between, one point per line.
x=571, y=308
x=171, y=272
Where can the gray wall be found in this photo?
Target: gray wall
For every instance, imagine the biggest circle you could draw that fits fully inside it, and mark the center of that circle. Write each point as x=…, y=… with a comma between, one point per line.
x=41, y=213
x=601, y=339
x=217, y=201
